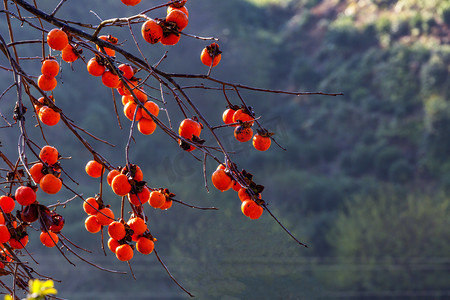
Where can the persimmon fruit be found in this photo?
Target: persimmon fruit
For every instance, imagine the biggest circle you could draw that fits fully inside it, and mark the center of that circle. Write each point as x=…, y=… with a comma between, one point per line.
x=110, y=39
x=7, y=204
x=94, y=169
x=124, y=252
x=113, y=244
x=251, y=209
x=137, y=225
x=25, y=195
x=211, y=55
x=170, y=39
x=49, y=239
x=4, y=234
x=92, y=225
x=69, y=54
x=105, y=216
x=50, y=184
x=50, y=67
x=157, y=199
x=48, y=116
x=188, y=128
x=116, y=230
x=110, y=79
x=179, y=18
x=57, y=39
x=243, y=133
x=90, y=206
x=146, y=126
x=130, y=2
x=151, y=31
x=145, y=245
x=95, y=68
x=47, y=83
x=49, y=154
x=261, y=143
x=221, y=180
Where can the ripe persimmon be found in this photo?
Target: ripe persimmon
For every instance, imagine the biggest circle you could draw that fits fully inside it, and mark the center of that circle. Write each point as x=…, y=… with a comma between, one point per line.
x=57, y=39
x=126, y=99
x=221, y=180
x=90, y=206
x=151, y=31
x=127, y=70
x=145, y=245
x=69, y=54
x=116, y=230
x=184, y=9
x=4, y=234
x=130, y=109
x=146, y=126
x=105, y=216
x=179, y=18
x=49, y=155
x=170, y=39
x=95, y=68
x=236, y=186
x=94, y=169
x=243, y=116
x=7, y=204
x=140, y=94
x=152, y=107
x=19, y=243
x=139, y=198
x=50, y=67
x=110, y=39
x=137, y=225
x=138, y=175
x=211, y=55
x=25, y=195
x=49, y=239
x=124, y=252
x=2, y=218
x=188, y=128
x=113, y=244
x=110, y=79
x=244, y=195
x=131, y=2
x=48, y=116
x=157, y=199
x=250, y=209
x=47, y=83
x=243, y=133
x=113, y=173
x=166, y=205
x=227, y=116
x=50, y=184
x=261, y=143
x=92, y=225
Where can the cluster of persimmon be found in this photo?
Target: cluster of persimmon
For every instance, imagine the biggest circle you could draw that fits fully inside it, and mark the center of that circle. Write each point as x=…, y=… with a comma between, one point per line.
x=58, y=40
x=13, y=227
x=243, y=119
x=125, y=182
x=167, y=31
x=46, y=173
x=251, y=202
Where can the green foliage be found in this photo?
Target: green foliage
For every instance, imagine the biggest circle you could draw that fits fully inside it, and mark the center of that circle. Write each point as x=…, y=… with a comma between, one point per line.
x=388, y=229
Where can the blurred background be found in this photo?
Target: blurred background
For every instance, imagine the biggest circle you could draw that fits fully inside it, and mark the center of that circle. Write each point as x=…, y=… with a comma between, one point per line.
x=364, y=181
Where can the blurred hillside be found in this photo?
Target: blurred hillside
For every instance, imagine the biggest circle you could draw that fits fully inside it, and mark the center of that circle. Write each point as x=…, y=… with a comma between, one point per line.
x=364, y=181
